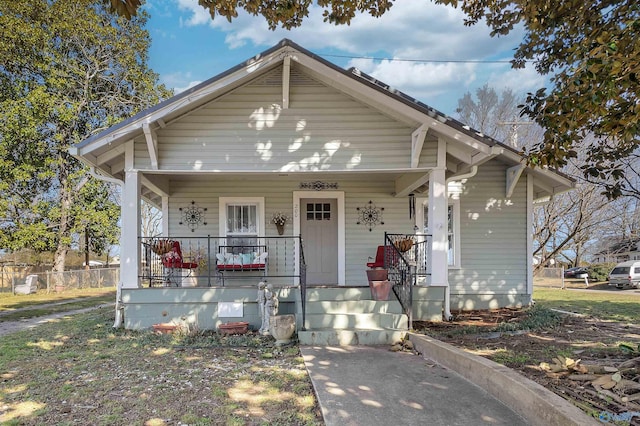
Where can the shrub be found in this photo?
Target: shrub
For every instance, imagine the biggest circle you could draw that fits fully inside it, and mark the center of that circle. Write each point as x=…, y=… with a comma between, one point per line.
x=600, y=271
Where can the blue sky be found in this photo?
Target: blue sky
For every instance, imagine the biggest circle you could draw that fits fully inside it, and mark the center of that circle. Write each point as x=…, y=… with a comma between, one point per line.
x=189, y=47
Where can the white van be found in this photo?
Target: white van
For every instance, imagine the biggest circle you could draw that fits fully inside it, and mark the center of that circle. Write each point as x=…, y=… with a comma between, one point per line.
x=626, y=274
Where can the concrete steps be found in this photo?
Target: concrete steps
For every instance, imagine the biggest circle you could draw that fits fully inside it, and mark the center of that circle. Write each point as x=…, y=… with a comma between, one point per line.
x=340, y=316
x=350, y=337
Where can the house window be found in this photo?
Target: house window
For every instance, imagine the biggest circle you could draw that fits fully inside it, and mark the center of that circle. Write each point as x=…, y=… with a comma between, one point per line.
x=241, y=220
x=453, y=230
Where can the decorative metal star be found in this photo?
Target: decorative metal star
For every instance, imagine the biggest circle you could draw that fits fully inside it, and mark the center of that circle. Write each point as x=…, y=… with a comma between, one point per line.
x=192, y=216
x=370, y=215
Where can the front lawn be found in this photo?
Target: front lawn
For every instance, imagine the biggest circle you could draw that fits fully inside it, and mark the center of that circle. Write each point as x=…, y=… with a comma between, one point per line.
x=80, y=370
x=615, y=305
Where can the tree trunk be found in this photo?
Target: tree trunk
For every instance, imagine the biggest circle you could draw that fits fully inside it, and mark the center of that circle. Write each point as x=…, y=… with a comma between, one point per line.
x=60, y=255
x=86, y=248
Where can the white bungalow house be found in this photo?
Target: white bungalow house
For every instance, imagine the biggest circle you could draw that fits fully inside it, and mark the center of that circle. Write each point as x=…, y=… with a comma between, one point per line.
x=620, y=251
x=352, y=164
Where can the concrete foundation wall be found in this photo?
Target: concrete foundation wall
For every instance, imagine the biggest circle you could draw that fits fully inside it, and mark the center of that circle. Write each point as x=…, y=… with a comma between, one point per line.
x=428, y=303
x=198, y=306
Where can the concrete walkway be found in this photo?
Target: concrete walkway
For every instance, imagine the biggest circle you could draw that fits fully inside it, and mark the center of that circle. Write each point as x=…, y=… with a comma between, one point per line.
x=443, y=385
x=369, y=386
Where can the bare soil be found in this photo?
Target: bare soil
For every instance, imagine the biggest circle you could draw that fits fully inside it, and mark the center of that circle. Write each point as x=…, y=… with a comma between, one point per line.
x=583, y=338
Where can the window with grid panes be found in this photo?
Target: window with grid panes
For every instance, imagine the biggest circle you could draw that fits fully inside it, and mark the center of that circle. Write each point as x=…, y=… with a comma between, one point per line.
x=318, y=211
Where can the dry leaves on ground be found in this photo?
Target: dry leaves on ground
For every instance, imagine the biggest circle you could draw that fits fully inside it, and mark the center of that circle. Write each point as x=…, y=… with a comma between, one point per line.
x=581, y=359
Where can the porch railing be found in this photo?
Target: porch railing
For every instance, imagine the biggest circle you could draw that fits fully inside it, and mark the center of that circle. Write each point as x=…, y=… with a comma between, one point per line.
x=406, y=261
x=196, y=264
x=303, y=284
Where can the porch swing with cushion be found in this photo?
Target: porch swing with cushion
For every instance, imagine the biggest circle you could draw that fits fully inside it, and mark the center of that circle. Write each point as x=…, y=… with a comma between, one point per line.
x=241, y=258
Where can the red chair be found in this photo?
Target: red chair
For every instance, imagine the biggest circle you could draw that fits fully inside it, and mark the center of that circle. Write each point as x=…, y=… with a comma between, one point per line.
x=379, y=262
x=174, y=259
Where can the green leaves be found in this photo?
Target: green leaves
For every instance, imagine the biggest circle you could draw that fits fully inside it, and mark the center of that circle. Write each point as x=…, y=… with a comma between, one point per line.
x=592, y=51
x=126, y=8
x=70, y=68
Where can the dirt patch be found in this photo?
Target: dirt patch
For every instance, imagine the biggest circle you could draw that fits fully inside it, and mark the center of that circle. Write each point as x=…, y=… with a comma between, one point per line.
x=495, y=335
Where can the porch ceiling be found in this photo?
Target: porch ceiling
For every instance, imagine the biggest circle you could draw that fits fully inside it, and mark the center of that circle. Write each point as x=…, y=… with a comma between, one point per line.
x=156, y=184
x=152, y=181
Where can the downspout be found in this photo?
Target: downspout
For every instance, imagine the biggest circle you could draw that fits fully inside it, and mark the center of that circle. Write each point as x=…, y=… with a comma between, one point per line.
x=447, y=290
x=119, y=308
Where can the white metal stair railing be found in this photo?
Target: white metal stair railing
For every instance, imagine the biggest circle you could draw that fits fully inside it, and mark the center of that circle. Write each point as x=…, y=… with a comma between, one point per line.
x=406, y=259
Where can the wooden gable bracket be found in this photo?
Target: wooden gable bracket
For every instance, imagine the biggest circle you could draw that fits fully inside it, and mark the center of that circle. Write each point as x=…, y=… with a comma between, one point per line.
x=417, y=141
x=152, y=144
x=513, y=175
x=156, y=184
x=286, y=76
x=409, y=182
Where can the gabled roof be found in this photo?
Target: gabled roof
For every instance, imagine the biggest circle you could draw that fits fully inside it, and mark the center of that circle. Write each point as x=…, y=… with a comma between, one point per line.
x=620, y=247
x=106, y=149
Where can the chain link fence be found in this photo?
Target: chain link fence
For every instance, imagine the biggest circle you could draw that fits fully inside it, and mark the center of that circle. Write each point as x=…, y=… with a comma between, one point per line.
x=62, y=281
x=549, y=277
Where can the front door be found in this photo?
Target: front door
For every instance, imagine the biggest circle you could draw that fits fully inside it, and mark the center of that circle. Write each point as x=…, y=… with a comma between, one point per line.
x=319, y=229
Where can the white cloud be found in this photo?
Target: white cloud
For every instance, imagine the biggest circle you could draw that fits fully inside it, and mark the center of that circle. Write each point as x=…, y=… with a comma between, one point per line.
x=410, y=29
x=423, y=81
x=519, y=80
x=179, y=81
x=417, y=30
x=199, y=16
x=187, y=87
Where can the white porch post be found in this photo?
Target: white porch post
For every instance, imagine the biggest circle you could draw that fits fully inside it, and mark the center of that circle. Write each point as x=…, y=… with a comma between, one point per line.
x=165, y=216
x=438, y=226
x=129, y=245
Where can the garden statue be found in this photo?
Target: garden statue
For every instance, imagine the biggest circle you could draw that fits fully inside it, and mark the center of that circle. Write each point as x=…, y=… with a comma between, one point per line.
x=267, y=305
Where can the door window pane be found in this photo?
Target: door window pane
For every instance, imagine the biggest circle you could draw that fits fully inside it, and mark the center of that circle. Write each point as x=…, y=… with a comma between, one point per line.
x=318, y=211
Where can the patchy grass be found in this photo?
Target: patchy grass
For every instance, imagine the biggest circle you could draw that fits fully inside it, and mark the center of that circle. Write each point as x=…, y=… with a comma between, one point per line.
x=508, y=356
x=79, y=370
x=47, y=309
x=621, y=306
x=10, y=302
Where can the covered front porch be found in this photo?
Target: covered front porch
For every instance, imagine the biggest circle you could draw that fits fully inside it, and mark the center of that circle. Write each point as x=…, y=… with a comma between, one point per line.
x=193, y=275
x=197, y=288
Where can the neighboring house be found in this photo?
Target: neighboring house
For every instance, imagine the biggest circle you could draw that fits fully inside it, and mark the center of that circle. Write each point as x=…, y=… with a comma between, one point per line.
x=346, y=159
x=620, y=252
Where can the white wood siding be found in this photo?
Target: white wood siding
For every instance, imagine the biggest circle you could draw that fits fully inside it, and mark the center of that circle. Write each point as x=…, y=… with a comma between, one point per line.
x=141, y=154
x=247, y=130
x=429, y=153
x=361, y=244
x=493, y=239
